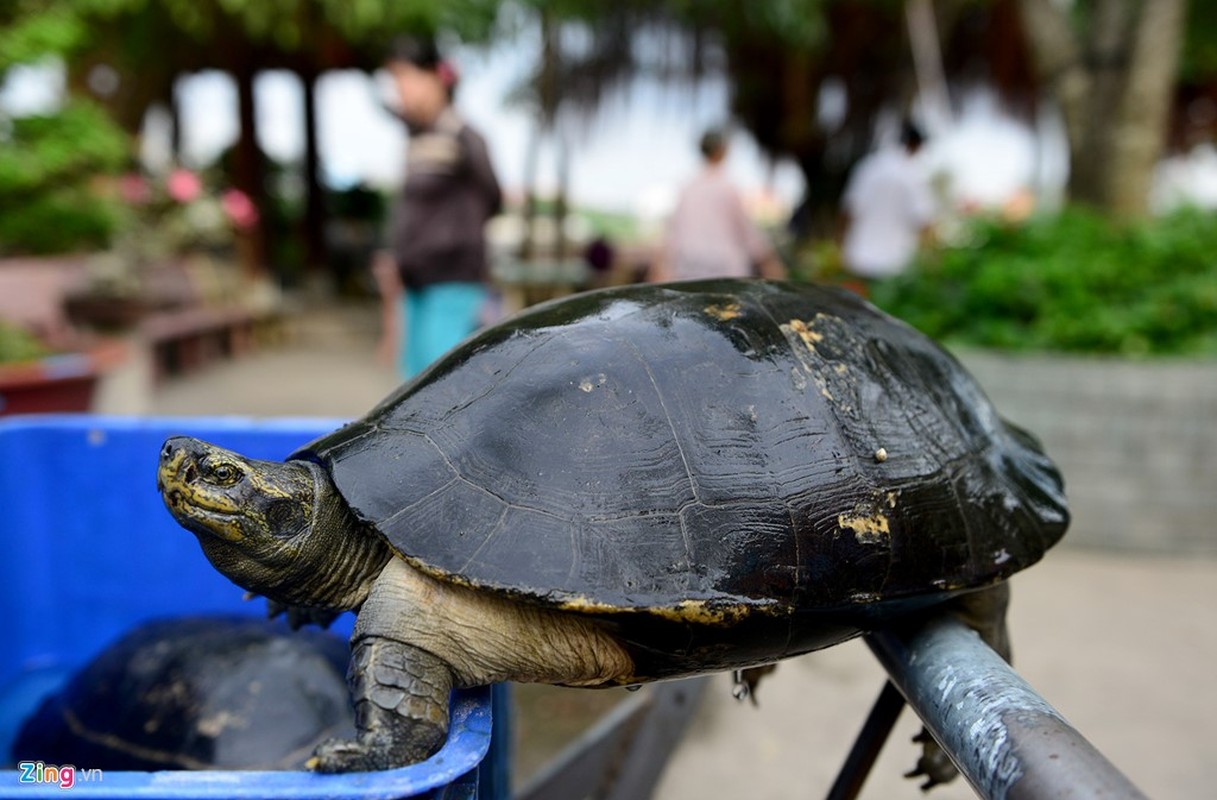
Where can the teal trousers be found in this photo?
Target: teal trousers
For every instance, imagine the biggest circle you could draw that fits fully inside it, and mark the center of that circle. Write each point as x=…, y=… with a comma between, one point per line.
x=437, y=317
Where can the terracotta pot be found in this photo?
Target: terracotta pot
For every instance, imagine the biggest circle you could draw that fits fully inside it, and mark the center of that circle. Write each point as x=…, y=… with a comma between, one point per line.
x=57, y=383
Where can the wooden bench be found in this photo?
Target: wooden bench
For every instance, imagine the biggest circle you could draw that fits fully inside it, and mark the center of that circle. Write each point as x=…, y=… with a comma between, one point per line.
x=212, y=319
x=186, y=339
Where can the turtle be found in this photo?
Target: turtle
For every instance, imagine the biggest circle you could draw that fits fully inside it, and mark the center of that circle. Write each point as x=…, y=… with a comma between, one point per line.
x=198, y=692
x=627, y=485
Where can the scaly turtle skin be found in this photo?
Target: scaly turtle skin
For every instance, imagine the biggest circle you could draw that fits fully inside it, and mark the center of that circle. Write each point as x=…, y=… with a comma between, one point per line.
x=629, y=485
x=197, y=693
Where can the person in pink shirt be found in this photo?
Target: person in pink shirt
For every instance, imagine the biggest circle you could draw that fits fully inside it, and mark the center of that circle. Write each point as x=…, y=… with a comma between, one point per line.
x=710, y=234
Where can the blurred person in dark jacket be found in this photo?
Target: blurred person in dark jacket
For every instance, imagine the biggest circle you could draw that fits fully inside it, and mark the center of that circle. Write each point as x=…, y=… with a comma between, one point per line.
x=450, y=191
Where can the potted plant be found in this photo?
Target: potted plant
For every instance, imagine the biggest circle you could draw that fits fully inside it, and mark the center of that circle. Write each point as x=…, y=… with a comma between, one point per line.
x=37, y=379
x=169, y=220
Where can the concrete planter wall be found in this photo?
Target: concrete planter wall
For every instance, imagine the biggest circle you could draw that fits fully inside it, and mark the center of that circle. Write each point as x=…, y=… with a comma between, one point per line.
x=1136, y=440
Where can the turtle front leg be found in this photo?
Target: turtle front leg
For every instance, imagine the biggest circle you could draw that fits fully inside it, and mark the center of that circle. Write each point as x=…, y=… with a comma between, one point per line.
x=401, y=708
x=985, y=612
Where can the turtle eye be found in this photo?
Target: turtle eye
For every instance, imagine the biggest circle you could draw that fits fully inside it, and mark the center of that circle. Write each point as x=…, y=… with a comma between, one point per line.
x=223, y=473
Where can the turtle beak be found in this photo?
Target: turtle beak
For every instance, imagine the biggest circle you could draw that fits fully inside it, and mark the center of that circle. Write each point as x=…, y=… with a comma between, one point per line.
x=178, y=466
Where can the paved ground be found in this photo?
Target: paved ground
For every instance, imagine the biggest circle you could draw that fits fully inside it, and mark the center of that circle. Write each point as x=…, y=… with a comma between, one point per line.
x=1123, y=646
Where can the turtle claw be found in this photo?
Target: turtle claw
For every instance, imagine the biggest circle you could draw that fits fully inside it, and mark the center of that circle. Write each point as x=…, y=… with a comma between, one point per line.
x=746, y=680
x=299, y=616
x=346, y=755
x=934, y=764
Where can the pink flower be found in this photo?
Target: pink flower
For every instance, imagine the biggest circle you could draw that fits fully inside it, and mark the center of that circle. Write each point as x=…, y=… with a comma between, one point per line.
x=183, y=185
x=134, y=189
x=240, y=209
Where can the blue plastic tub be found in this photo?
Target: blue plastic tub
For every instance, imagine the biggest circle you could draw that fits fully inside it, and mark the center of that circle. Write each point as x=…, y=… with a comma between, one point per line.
x=89, y=551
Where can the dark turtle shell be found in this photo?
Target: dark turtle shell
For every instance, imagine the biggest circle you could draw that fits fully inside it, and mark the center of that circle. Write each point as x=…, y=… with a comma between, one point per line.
x=197, y=693
x=703, y=452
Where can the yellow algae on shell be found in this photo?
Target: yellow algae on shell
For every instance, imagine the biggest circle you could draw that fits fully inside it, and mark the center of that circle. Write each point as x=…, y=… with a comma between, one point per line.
x=869, y=521
x=698, y=612
x=585, y=605
x=805, y=332
x=834, y=378
x=867, y=528
x=702, y=612
x=723, y=312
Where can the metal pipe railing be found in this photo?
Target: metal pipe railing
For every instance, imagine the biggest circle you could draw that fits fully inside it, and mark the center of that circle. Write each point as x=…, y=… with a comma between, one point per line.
x=1006, y=740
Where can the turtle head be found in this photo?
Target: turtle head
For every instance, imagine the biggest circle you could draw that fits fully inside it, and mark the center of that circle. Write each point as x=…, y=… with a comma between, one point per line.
x=220, y=495
x=269, y=526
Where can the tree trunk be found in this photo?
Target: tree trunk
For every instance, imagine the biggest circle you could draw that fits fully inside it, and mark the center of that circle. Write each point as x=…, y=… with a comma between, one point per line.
x=1143, y=115
x=1114, y=90
x=560, y=201
x=1107, y=64
x=175, y=123
x=248, y=173
x=547, y=100
x=532, y=163
x=314, y=198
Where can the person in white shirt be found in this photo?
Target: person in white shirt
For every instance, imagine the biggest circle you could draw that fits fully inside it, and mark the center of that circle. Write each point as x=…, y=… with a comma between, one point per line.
x=887, y=208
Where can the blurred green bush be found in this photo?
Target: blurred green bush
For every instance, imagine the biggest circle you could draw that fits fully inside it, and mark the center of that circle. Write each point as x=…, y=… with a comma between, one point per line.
x=18, y=345
x=53, y=168
x=1074, y=282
